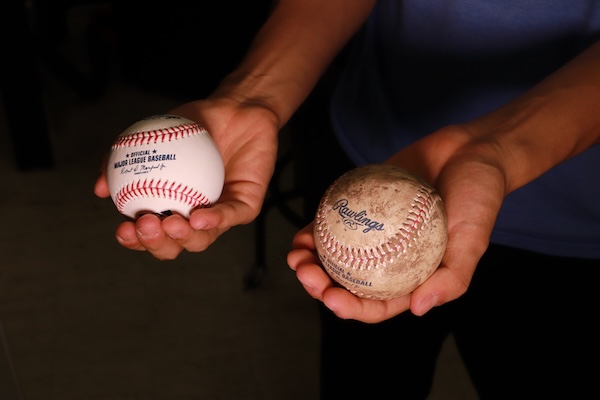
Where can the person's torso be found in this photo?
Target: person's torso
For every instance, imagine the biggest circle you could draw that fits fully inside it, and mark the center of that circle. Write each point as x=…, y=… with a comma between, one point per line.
x=420, y=65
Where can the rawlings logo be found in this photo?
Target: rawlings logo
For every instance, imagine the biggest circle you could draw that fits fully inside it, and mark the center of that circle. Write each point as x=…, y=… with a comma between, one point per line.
x=353, y=219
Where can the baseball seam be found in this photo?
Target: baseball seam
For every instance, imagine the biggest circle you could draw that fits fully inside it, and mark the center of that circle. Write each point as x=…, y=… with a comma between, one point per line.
x=379, y=256
x=157, y=135
x=165, y=189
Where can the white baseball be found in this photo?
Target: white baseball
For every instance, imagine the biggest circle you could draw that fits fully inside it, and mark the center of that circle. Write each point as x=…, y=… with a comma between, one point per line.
x=380, y=231
x=164, y=164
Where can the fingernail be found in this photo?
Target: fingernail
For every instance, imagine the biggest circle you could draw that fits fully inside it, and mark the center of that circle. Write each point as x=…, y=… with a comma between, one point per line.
x=177, y=235
x=146, y=236
x=426, y=304
x=200, y=225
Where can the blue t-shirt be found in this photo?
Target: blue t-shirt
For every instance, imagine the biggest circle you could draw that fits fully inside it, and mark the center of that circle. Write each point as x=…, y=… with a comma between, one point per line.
x=417, y=66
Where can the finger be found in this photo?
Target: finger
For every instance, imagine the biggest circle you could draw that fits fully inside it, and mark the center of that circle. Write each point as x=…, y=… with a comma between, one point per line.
x=180, y=230
x=442, y=287
x=319, y=285
x=303, y=249
x=304, y=239
x=466, y=245
x=347, y=306
x=152, y=236
x=127, y=236
x=471, y=216
x=223, y=215
x=101, y=187
x=298, y=257
x=314, y=279
x=207, y=218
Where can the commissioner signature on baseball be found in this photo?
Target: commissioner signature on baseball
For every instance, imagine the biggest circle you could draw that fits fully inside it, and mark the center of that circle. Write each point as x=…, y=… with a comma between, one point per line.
x=143, y=169
x=354, y=219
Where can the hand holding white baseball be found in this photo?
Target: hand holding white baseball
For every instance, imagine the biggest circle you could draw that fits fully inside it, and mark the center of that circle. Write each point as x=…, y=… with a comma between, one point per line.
x=164, y=164
x=380, y=231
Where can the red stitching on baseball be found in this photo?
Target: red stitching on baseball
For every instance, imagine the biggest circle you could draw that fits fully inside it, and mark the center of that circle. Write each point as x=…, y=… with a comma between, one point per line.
x=151, y=188
x=421, y=210
x=158, y=135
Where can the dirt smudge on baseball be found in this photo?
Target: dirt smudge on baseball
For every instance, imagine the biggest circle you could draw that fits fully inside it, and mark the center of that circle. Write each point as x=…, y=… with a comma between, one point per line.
x=380, y=231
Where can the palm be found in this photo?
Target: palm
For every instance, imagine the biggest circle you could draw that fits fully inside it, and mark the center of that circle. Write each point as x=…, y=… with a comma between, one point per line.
x=472, y=190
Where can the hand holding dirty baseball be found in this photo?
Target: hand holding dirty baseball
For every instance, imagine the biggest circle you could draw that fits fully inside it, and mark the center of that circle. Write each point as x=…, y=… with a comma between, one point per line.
x=380, y=231
x=472, y=190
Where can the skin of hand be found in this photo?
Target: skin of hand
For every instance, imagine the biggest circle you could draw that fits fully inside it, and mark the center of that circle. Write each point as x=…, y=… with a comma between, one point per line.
x=472, y=188
x=474, y=166
x=246, y=136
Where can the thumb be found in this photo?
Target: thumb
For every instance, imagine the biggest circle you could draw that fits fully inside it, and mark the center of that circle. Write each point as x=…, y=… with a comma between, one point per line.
x=451, y=280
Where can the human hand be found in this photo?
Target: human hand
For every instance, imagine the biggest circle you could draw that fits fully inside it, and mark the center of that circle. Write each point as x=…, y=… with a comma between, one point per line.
x=471, y=182
x=246, y=136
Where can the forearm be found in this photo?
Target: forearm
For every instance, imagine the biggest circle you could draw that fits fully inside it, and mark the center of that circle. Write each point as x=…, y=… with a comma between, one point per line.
x=291, y=51
x=554, y=121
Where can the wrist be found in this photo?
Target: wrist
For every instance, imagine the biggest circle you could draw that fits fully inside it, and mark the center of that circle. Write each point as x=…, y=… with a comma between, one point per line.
x=281, y=97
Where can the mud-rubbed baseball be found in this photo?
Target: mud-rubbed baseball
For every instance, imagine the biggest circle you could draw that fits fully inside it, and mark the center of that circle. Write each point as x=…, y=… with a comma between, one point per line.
x=380, y=231
x=164, y=164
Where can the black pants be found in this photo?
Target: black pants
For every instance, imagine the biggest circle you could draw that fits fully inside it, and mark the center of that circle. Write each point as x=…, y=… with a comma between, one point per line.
x=526, y=328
